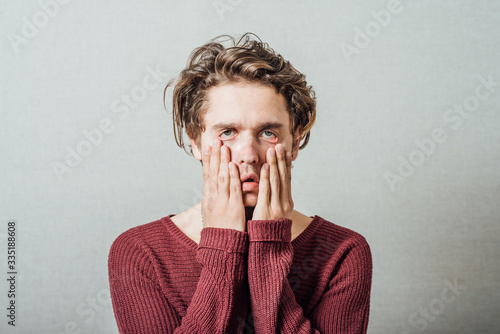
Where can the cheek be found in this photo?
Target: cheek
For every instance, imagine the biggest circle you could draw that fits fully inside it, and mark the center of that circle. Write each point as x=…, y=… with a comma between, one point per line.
x=208, y=140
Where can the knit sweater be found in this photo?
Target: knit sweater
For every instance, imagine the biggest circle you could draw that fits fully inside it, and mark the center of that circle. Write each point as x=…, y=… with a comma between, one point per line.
x=259, y=281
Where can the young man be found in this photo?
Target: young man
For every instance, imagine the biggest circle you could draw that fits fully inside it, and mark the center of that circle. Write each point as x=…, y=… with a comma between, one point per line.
x=242, y=260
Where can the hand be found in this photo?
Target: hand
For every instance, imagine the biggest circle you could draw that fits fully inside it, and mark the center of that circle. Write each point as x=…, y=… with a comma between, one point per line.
x=275, y=191
x=222, y=198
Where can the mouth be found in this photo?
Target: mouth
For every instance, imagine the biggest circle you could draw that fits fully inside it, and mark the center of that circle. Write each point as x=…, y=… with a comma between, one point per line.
x=249, y=177
x=249, y=186
x=250, y=182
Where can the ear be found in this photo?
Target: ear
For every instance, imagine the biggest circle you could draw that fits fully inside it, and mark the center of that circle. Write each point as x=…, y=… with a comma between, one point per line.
x=196, y=150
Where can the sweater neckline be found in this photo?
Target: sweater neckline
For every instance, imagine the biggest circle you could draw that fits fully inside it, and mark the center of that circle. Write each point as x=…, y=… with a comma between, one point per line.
x=190, y=243
x=307, y=233
x=178, y=234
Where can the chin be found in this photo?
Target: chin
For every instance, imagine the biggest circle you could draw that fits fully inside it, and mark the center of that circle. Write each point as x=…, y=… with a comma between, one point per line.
x=250, y=199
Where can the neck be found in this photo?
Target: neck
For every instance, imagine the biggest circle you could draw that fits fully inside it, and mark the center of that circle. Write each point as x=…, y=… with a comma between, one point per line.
x=249, y=213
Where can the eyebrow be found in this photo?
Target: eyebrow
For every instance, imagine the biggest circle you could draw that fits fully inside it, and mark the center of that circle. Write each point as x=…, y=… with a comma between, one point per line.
x=264, y=125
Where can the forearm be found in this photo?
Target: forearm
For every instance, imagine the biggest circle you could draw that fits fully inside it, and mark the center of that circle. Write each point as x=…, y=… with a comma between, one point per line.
x=217, y=303
x=270, y=256
x=144, y=305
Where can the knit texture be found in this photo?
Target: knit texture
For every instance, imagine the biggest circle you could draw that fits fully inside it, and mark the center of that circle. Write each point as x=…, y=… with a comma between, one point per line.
x=258, y=281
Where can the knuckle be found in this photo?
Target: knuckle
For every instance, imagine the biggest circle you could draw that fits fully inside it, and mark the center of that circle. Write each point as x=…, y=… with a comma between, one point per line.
x=213, y=173
x=211, y=190
x=275, y=181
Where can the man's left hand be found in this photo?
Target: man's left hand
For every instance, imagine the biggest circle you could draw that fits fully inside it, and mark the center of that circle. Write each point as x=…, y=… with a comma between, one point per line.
x=275, y=189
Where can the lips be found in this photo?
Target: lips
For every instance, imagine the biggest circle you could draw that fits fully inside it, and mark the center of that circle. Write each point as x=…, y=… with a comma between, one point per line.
x=250, y=177
x=250, y=182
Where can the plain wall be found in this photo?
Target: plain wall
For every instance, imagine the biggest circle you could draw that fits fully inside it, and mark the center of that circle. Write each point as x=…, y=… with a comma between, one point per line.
x=405, y=150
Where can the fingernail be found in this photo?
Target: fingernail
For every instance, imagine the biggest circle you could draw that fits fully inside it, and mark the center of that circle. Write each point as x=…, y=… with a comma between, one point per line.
x=215, y=143
x=273, y=152
x=280, y=149
x=207, y=150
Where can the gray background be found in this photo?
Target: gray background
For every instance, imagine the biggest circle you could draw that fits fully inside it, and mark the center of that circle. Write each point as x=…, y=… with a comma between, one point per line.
x=436, y=225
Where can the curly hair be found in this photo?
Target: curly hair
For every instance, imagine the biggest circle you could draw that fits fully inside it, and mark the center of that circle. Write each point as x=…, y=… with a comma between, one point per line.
x=246, y=60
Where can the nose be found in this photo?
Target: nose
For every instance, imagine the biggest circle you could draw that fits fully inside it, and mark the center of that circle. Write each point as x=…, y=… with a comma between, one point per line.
x=245, y=151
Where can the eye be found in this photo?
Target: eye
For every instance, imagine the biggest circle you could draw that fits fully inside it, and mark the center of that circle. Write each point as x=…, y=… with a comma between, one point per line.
x=269, y=134
x=226, y=132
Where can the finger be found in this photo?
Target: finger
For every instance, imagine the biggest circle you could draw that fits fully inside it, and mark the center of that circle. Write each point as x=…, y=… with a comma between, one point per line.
x=235, y=183
x=214, y=165
x=282, y=170
x=274, y=179
x=206, y=168
x=264, y=189
x=223, y=178
x=288, y=184
x=205, y=158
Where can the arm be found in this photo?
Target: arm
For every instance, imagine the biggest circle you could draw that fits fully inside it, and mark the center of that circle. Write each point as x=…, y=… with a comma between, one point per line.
x=140, y=303
x=344, y=306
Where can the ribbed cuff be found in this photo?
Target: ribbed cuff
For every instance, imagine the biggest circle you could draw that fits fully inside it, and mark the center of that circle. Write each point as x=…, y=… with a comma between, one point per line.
x=270, y=230
x=229, y=240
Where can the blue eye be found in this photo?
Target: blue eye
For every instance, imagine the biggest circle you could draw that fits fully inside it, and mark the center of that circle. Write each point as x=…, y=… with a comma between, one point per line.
x=268, y=133
x=226, y=132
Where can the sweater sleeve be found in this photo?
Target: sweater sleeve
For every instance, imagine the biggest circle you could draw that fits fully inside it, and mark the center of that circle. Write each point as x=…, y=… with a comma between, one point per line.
x=342, y=309
x=142, y=306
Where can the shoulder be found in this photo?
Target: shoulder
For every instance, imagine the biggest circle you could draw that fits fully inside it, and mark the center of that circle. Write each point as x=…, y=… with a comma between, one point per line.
x=345, y=253
x=336, y=235
x=136, y=244
x=340, y=244
x=139, y=234
x=131, y=257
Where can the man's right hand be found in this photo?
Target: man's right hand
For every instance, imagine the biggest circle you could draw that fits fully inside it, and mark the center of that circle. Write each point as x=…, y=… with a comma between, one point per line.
x=222, y=198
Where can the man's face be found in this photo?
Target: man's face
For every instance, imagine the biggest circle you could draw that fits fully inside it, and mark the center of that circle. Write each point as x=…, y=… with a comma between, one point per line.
x=249, y=118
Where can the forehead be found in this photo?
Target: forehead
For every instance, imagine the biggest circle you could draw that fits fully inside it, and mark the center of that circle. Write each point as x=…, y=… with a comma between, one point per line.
x=245, y=104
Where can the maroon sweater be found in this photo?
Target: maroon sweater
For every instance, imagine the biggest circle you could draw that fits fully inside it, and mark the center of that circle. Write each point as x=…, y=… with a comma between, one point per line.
x=259, y=281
